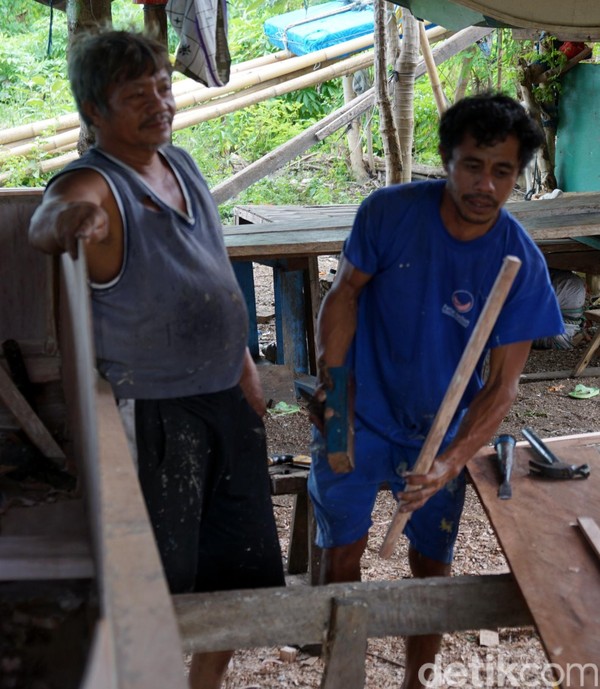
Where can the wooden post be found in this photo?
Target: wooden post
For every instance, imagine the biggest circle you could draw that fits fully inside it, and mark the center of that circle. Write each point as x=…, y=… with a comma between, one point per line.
x=346, y=646
x=155, y=19
x=82, y=13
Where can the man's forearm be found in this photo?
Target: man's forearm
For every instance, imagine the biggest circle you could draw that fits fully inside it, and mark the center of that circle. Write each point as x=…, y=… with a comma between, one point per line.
x=336, y=328
x=480, y=424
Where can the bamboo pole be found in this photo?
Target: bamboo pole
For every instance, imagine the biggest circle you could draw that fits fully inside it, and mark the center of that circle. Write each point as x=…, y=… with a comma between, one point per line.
x=211, y=111
x=70, y=120
x=432, y=71
x=316, y=133
x=203, y=113
x=274, y=60
x=342, y=67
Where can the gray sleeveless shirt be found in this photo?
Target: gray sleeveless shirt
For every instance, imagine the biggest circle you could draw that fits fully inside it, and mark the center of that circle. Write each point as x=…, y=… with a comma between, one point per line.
x=173, y=323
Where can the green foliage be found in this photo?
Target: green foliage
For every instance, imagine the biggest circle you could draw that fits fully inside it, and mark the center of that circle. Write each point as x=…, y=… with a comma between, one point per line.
x=548, y=59
x=425, y=139
x=17, y=16
x=246, y=134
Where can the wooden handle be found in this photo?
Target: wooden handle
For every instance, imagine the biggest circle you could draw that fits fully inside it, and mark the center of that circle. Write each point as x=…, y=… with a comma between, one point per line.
x=458, y=384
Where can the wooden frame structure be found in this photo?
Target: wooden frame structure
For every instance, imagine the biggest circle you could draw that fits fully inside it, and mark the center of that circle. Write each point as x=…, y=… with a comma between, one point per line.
x=141, y=631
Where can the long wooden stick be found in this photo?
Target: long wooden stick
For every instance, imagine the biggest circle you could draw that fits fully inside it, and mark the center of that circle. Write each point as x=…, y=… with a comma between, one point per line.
x=432, y=71
x=458, y=384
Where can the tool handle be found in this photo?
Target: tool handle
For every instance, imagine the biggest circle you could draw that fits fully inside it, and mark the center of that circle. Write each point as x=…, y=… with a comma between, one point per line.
x=460, y=379
x=540, y=447
x=504, y=446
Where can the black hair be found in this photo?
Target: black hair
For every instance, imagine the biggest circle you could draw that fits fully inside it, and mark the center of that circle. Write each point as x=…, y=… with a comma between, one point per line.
x=100, y=58
x=490, y=118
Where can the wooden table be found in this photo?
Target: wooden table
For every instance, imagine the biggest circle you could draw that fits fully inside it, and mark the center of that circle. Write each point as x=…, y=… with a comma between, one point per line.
x=291, y=238
x=556, y=569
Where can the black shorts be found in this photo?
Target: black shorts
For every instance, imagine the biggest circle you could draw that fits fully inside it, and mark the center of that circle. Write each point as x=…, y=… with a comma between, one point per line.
x=203, y=471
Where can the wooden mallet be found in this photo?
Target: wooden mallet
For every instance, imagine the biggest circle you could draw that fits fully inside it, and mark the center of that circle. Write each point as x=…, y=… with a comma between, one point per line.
x=454, y=393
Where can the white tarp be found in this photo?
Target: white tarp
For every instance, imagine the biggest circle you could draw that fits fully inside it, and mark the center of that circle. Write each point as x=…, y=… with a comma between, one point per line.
x=550, y=15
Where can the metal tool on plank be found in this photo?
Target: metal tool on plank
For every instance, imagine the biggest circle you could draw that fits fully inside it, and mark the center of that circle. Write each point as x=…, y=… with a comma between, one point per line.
x=339, y=430
x=549, y=465
x=460, y=379
x=504, y=446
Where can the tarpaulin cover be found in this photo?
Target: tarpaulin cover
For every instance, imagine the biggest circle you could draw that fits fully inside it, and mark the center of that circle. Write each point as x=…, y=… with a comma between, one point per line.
x=284, y=31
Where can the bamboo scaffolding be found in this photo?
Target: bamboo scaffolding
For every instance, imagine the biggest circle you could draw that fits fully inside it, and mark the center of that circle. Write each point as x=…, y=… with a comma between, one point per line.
x=266, y=77
x=202, y=113
x=264, y=68
x=25, y=132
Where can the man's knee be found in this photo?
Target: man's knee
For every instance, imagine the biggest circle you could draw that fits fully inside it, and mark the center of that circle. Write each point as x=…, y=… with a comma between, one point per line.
x=423, y=566
x=342, y=563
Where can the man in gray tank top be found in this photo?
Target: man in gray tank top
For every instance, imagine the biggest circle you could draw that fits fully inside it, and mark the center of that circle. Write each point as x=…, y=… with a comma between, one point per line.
x=170, y=324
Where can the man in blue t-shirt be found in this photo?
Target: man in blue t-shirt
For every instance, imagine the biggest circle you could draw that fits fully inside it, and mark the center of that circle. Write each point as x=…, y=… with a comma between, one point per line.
x=415, y=273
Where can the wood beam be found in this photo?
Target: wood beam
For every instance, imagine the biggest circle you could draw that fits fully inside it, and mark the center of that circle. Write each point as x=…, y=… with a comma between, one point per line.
x=301, y=615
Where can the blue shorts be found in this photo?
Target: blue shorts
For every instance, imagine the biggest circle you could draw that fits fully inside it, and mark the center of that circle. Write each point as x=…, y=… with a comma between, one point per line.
x=343, y=503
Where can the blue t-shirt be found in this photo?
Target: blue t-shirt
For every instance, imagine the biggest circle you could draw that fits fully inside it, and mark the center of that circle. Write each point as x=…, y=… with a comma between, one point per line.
x=416, y=314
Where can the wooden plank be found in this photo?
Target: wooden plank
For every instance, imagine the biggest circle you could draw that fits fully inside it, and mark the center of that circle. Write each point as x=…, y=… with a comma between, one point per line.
x=27, y=294
x=550, y=561
x=28, y=419
x=300, y=534
x=588, y=354
x=98, y=674
x=44, y=557
x=346, y=645
x=555, y=375
x=300, y=615
x=290, y=319
x=134, y=598
x=591, y=531
x=305, y=231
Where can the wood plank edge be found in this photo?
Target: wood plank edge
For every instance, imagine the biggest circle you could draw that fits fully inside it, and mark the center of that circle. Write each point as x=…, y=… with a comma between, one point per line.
x=299, y=615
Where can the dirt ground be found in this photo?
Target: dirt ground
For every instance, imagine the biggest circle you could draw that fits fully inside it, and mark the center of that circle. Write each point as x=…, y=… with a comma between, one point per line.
x=543, y=405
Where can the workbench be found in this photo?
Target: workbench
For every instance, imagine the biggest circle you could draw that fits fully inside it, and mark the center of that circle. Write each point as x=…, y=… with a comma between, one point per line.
x=291, y=238
x=555, y=567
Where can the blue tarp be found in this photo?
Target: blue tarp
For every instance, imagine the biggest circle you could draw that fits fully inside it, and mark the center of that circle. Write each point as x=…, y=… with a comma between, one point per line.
x=344, y=22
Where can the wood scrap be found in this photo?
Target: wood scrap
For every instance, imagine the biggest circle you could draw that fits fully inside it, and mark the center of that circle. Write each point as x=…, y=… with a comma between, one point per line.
x=30, y=422
x=591, y=531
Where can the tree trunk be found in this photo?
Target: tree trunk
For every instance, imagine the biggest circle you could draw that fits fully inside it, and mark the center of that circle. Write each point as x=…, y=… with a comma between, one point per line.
x=405, y=89
x=464, y=76
x=357, y=162
x=544, y=157
x=387, y=127
x=82, y=14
